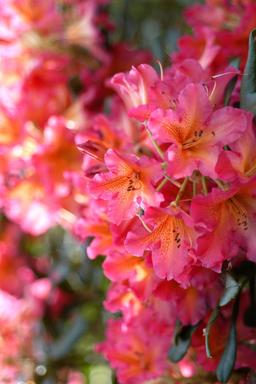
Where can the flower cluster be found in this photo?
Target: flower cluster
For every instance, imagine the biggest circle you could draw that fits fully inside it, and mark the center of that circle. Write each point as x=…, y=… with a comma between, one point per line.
x=172, y=206
x=53, y=65
x=162, y=184
x=220, y=33
x=54, y=62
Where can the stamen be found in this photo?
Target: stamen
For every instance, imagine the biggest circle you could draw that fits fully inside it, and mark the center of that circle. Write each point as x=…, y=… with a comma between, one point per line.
x=223, y=186
x=194, y=188
x=224, y=74
x=161, y=70
x=204, y=185
x=213, y=90
x=162, y=184
x=155, y=145
x=180, y=193
x=143, y=222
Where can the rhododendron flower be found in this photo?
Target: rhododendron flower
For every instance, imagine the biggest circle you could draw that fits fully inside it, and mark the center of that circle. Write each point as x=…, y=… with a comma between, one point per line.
x=17, y=319
x=171, y=241
x=81, y=29
x=190, y=305
x=127, y=186
x=48, y=76
x=229, y=220
x=102, y=236
x=12, y=263
x=122, y=298
x=127, y=268
x=138, y=350
x=219, y=335
x=197, y=133
x=25, y=204
x=239, y=162
x=230, y=22
x=135, y=86
x=43, y=17
x=201, y=47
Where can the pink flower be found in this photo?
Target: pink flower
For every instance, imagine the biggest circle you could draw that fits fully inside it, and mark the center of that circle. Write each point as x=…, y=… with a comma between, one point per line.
x=191, y=304
x=43, y=91
x=137, y=351
x=98, y=229
x=135, y=87
x=227, y=221
x=196, y=133
x=239, y=162
x=201, y=47
x=126, y=186
x=133, y=271
x=170, y=240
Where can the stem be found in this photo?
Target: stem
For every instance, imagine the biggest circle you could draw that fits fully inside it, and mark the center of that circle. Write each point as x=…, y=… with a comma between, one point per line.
x=155, y=145
x=174, y=182
x=220, y=184
x=204, y=185
x=161, y=70
x=181, y=191
x=194, y=188
x=144, y=224
x=162, y=184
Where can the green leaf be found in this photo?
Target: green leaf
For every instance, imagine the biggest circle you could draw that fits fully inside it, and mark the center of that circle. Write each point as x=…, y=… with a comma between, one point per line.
x=212, y=319
x=235, y=62
x=229, y=89
x=181, y=343
x=60, y=348
x=228, y=358
x=232, y=288
x=248, y=85
x=250, y=313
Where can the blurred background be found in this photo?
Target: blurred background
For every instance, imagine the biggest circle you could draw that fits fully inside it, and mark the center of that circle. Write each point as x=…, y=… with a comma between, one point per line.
x=150, y=24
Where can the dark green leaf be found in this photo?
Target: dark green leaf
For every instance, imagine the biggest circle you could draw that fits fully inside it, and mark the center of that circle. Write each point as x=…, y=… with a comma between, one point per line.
x=212, y=319
x=63, y=346
x=228, y=358
x=250, y=313
x=232, y=288
x=250, y=317
x=229, y=89
x=248, y=85
x=181, y=343
x=235, y=62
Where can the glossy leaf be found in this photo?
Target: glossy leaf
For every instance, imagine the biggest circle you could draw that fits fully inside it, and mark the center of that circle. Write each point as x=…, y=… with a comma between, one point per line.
x=181, y=343
x=250, y=313
x=63, y=346
x=228, y=358
x=212, y=319
x=229, y=89
x=232, y=288
x=248, y=85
